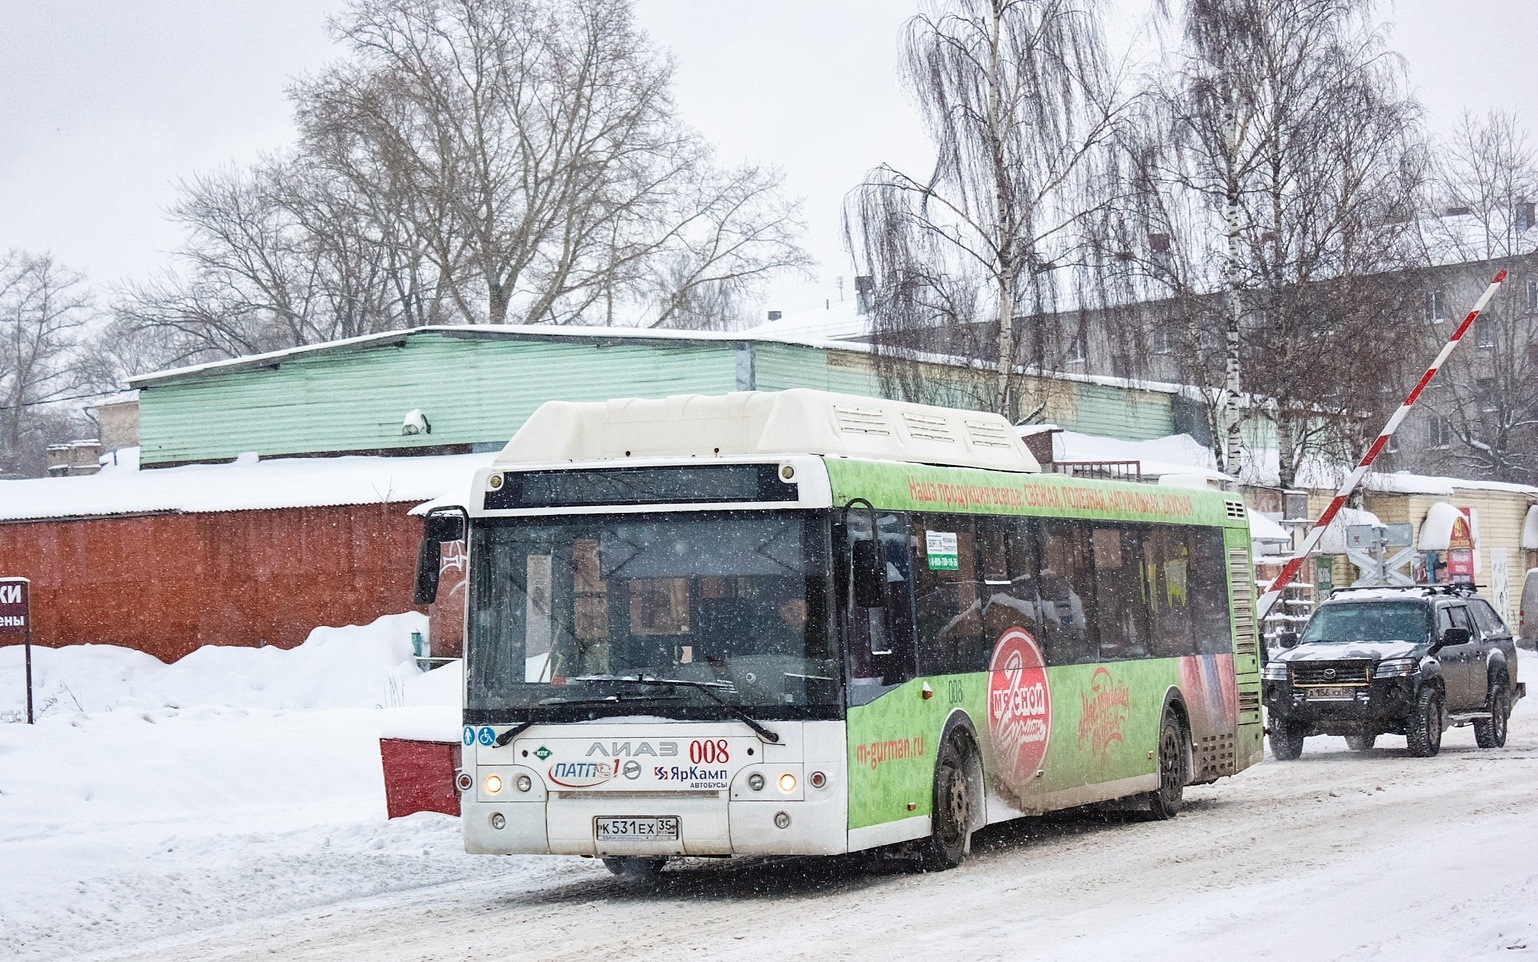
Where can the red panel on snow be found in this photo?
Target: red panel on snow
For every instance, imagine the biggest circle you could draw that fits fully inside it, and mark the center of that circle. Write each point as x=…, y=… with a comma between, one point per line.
x=419, y=776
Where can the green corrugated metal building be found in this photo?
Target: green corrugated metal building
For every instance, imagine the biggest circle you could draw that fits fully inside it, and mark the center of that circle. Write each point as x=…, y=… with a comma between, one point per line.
x=477, y=385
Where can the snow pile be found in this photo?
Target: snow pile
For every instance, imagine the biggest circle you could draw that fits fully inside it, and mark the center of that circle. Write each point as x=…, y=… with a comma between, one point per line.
x=354, y=667
x=247, y=484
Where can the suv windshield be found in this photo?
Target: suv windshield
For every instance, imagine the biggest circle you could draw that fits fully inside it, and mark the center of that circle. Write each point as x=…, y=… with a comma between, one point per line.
x=566, y=615
x=1369, y=621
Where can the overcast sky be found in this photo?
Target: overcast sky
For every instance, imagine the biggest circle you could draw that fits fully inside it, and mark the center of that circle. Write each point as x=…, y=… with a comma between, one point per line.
x=105, y=104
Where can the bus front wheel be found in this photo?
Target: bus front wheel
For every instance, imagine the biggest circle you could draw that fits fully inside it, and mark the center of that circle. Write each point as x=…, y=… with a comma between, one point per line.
x=954, y=804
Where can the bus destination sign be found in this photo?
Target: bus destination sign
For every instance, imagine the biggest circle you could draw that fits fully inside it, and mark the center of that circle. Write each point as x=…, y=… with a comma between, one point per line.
x=14, y=611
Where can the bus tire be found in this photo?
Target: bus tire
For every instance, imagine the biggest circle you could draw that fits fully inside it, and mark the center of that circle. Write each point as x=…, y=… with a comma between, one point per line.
x=634, y=868
x=1164, y=802
x=1423, y=729
x=950, y=837
x=1492, y=733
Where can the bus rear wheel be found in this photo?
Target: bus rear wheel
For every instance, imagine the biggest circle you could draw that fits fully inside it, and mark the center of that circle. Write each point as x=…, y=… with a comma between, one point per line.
x=1165, y=801
x=950, y=836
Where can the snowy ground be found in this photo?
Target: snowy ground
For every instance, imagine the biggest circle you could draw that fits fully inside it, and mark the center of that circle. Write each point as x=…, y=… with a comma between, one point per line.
x=154, y=827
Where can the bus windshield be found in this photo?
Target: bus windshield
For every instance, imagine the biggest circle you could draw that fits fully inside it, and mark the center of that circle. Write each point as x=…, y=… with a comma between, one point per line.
x=569, y=617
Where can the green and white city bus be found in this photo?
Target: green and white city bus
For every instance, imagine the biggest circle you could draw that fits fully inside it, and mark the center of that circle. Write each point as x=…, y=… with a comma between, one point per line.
x=807, y=623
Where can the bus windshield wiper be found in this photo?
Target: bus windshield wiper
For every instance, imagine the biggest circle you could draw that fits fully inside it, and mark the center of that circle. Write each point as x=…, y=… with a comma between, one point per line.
x=709, y=688
x=596, y=700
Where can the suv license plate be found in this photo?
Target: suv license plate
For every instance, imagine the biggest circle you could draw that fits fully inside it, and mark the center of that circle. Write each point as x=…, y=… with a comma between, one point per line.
x=1331, y=694
x=623, y=829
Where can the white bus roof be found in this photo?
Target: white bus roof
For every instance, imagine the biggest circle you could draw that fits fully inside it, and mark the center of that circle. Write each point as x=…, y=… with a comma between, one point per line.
x=753, y=423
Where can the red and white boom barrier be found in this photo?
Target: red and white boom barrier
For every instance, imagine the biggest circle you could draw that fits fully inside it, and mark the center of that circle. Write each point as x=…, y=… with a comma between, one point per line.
x=1268, y=599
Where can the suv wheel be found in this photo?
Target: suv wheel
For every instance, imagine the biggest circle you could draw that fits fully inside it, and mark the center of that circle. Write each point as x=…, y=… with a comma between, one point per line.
x=1492, y=733
x=1286, y=740
x=1360, y=743
x=1423, y=730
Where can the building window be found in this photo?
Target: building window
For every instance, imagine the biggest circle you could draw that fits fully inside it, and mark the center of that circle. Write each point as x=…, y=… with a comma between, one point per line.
x=1434, y=310
x=1484, y=331
x=1163, y=342
x=1076, y=349
x=1532, y=293
x=1484, y=391
x=1439, y=432
x=1391, y=446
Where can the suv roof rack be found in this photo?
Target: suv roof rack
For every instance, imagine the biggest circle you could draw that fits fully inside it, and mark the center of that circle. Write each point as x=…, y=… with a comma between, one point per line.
x=1459, y=588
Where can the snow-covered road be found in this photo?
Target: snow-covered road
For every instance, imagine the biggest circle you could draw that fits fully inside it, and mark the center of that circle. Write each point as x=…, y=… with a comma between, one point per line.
x=1375, y=856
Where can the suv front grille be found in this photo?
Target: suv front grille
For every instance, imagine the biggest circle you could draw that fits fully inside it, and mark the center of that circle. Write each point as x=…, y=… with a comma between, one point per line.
x=1328, y=674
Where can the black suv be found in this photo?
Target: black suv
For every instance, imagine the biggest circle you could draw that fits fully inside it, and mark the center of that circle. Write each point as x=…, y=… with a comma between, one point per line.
x=1411, y=661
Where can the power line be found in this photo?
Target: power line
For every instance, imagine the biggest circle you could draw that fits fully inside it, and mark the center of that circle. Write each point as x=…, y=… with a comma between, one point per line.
x=57, y=400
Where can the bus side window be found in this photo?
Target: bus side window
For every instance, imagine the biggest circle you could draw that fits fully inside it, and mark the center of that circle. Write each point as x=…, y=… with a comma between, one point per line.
x=948, y=594
x=1121, y=607
x=1009, y=551
x=1167, y=579
x=1207, y=579
x=880, y=640
x=1066, y=587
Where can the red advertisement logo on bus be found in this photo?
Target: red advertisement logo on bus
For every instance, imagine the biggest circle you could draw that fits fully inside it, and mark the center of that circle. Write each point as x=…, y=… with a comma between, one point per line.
x=1019, y=707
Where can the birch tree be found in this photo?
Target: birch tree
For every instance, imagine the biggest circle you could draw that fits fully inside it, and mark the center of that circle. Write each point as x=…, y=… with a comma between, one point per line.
x=1286, y=179
x=1017, y=105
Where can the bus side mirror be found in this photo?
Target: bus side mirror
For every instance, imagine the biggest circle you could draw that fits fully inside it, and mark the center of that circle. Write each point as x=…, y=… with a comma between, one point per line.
x=436, y=529
x=869, y=575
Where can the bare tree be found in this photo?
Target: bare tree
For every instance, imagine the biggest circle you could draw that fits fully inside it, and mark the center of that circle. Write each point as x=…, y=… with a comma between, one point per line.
x=978, y=257
x=43, y=310
x=280, y=255
x=1486, y=188
x=1286, y=181
x=538, y=148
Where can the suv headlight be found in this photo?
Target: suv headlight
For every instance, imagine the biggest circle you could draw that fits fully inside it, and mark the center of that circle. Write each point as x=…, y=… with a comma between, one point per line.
x=1274, y=671
x=1396, y=667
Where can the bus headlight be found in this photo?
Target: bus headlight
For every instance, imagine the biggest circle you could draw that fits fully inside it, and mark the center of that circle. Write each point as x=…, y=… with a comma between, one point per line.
x=523, y=783
x=788, y=783
x=756, y=782
x=492, y=784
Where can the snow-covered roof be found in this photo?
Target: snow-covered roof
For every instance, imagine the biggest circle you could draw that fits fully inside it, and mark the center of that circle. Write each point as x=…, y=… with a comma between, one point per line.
x=549, y=332
x=830, y=320
x=244, y=485
x=1178, y=454
x=512, y=332
x=1333, y=539
x=1466, y=238
x=1436, y=531
x=1263, y=528
x=1405, y=483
